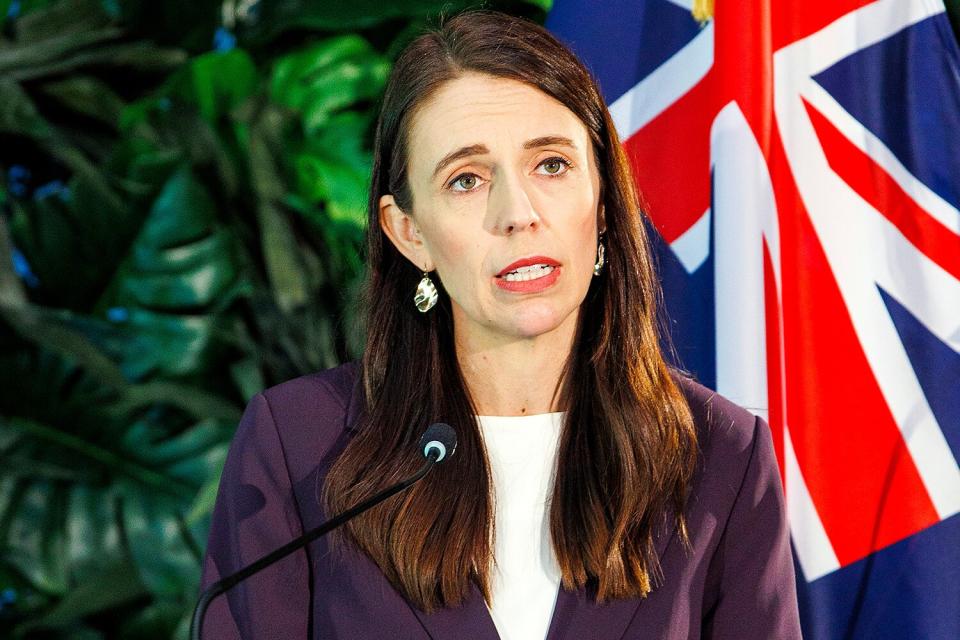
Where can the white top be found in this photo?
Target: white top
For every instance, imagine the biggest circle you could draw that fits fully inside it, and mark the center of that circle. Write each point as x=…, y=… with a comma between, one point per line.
x=522, y=451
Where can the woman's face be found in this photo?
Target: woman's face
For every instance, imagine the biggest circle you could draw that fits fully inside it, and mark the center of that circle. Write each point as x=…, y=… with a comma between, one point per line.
x=505, y=206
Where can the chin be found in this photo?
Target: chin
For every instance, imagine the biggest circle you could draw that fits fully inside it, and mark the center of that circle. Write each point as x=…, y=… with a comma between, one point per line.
x=536, y=322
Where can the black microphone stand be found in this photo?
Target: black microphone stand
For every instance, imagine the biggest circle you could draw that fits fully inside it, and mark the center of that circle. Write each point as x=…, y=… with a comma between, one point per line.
x=224, y=584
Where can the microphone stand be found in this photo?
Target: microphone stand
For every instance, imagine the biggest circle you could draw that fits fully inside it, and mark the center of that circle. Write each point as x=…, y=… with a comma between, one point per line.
x=224, y=584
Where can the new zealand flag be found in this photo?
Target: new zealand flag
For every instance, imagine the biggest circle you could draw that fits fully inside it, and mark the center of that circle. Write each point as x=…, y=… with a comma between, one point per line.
x=801, y=162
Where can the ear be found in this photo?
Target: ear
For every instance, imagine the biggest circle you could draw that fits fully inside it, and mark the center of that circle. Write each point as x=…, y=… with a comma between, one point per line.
x=404, y=233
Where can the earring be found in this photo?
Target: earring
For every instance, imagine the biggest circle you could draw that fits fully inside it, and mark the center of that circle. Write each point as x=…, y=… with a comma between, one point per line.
x=426, y=294
x=598, y=267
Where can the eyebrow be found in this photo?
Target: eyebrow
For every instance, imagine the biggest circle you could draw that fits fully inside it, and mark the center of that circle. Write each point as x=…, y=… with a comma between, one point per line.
x=462, y=152
x=546, y=141
x=480, y=149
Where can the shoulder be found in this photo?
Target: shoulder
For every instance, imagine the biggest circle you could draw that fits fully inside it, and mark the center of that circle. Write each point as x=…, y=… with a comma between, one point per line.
x=732, y=442
x=325, y=391
x=310, y=414
x=736, y=517
x=719, y=422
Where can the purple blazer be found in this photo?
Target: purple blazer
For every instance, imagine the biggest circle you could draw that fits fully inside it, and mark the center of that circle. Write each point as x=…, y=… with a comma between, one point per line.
x=737, y=580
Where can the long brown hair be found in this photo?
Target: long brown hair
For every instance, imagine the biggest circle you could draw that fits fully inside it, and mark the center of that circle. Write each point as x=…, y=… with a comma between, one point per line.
x=628, y=446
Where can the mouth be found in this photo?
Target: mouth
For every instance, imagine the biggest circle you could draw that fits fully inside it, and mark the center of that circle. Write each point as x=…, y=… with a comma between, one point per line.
x=528, y=269
x=528, y=275
x=524, y=274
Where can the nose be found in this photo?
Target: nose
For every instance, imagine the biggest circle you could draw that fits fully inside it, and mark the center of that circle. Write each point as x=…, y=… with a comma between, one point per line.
x=510, y=207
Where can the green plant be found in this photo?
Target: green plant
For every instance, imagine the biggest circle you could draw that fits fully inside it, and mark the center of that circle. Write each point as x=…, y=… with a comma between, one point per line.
x=179, y=228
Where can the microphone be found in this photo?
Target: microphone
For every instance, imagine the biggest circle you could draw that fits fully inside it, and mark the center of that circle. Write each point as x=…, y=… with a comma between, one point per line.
x=439, y=438
x=437, y=443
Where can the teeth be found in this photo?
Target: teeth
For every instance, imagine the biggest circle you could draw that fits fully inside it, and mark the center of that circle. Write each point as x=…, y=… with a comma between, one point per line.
x=531, y=272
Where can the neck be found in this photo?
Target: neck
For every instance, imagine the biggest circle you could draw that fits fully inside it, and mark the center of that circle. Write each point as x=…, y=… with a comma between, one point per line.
x=517, y=376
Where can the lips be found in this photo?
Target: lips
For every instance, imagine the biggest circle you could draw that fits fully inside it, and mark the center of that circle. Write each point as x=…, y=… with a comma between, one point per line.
x=529, y=275
x=526, y=263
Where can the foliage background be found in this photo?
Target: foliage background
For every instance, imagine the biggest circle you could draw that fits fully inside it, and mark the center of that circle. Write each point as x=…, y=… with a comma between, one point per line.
x=181, y=208
x=182, y=203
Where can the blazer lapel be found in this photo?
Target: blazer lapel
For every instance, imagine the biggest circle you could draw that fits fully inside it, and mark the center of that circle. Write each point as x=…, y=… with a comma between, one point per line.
x=577, y=616
x=355, y=406
x=470, y=620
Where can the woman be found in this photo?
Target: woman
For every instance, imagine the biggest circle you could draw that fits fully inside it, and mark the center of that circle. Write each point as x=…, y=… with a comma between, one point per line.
x=598, y=494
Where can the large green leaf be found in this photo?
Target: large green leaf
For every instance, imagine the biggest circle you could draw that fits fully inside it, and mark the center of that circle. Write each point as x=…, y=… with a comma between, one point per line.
x=84, y=494
x=72, y=238
x=180, y=273
x=329, y=164
x=20, y=117
x=328, y=76
x=333, y=168
x=216, y=82
x=285, y=268
x=204, y=244
x=87, y=96
x=116, y=583
x=161, y=309
x=46, y=20
x=18, y=114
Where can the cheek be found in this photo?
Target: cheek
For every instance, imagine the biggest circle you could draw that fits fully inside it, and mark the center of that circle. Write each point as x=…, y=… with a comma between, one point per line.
x=586, y=237
x=456, y=255
x=579, y=206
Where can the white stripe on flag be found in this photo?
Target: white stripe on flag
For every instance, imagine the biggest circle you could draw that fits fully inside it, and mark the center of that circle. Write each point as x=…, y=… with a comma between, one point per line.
x=857, y=30
x=864, y=249
x=671, y=80
x=863, y=139
x=814, y=551
x=693, y=246
x=743, y=206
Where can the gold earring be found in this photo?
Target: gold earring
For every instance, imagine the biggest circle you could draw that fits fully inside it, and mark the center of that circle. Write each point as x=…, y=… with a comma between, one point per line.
x=598, y=266
x=426, y=295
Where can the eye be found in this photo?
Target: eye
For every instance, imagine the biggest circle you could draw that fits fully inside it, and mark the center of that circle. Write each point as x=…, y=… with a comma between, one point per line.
x=555, y=166
x=464, y=182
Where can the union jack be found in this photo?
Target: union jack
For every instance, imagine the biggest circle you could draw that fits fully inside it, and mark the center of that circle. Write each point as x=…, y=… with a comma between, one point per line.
x=801, y=163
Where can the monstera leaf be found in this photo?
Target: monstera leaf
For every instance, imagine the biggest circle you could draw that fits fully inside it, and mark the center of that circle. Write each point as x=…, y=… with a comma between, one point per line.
x=323, y=84
x=105, y=485
x=188, y=232
x=90, y=493
x=218, y=82
x=72, y=238
x=326, y=77
x=333, y=168
x=162, y=306
x=309, y=137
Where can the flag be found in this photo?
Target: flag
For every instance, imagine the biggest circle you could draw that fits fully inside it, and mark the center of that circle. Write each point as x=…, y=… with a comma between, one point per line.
x=800, y=160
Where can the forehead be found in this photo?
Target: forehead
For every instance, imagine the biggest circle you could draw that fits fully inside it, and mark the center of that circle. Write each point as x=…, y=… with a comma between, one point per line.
x=480, y=109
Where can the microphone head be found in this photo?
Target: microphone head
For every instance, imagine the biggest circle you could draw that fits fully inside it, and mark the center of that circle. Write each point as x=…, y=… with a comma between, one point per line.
x=439, y=438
